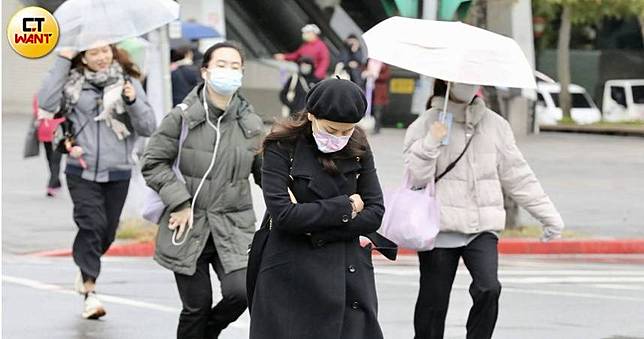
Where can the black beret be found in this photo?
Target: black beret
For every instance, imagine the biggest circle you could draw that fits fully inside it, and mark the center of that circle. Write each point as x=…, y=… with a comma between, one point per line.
x=337, y=100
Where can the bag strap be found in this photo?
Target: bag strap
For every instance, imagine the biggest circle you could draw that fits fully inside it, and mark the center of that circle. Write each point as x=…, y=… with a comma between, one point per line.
x=453, y=164
x=184, y=133
x=304, y=84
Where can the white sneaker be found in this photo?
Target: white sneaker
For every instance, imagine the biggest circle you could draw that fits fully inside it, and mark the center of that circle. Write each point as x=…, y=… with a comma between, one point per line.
x=93, y=307
x=79, y=286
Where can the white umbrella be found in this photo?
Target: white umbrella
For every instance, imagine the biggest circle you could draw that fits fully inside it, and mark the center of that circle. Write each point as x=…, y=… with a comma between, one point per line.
x=451, y=51
x=88, y=23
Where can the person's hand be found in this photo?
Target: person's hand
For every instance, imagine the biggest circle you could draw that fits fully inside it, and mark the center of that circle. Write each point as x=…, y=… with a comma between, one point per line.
x=279, y=57
x=129, y=92
x=353, y=64
x=358, y=204
x=76, y=152
x=68, y=53
x=438, y=131
x=180, y=220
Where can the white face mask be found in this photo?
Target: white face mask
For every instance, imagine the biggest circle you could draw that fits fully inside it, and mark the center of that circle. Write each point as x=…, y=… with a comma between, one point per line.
x=327, y=142
x=225, y=81
x=462, y=93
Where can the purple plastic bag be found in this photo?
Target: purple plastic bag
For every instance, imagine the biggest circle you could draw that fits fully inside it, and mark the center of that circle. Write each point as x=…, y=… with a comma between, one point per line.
x=412, y=217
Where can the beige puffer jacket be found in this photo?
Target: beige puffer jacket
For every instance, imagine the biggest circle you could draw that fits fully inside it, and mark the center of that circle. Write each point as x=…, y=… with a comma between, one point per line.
x=470, y=195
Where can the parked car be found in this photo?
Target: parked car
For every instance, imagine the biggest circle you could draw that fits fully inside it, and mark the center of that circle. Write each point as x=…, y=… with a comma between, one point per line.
x=584, y=110
x=623, y=100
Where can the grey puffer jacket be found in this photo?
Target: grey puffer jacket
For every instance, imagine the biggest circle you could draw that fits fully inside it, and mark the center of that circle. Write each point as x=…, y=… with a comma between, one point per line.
x=107, y=157
x=224, y=207
x=470, y=196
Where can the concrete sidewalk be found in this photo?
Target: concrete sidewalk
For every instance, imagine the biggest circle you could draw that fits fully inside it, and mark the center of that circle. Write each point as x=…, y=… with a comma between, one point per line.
x=595, y=181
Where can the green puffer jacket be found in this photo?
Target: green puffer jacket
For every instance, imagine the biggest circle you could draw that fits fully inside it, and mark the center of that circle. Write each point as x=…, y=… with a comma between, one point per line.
x=224, y=206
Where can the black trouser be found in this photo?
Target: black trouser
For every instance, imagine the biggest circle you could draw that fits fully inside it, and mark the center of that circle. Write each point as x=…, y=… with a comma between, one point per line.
x=97, y=210
x=53, y=161
x=378, y=111
x=437, y=271
x=198, y=319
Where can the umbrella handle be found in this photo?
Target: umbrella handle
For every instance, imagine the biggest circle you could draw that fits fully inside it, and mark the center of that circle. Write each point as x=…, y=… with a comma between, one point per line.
x=444, y=112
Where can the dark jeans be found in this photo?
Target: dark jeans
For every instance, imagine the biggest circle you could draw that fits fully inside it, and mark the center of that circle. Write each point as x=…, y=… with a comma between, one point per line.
x=198, y=319
x=53, y=161
x=97, y=210
x=437, y=271
x=378, y=111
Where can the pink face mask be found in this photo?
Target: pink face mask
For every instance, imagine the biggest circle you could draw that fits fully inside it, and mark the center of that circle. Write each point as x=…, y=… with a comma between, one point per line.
x=329, y=143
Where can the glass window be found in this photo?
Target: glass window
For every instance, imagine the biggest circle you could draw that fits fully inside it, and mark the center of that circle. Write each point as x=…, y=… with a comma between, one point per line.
x=618, y=94
x=579, y=100
x=638, y=94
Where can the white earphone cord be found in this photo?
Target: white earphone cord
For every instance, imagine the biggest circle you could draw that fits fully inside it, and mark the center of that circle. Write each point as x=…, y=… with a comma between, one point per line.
x=212, y=165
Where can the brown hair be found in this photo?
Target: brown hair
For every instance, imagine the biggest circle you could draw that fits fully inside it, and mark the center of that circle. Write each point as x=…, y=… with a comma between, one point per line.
x=287, y=131
x=120, y=56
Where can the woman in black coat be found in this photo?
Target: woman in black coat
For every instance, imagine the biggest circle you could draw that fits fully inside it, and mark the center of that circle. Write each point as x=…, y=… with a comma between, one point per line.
x=315, y=279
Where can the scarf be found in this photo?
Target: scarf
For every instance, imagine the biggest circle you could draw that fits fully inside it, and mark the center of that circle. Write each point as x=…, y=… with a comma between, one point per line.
x=111, y=81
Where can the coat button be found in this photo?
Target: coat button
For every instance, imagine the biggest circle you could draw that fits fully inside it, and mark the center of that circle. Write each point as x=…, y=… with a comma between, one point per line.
x=345, y=218
x=352, y=269
x=355, y=305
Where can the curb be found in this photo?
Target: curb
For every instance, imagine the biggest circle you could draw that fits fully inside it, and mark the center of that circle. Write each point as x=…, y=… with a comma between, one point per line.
x=603, y=130
x=506, y=246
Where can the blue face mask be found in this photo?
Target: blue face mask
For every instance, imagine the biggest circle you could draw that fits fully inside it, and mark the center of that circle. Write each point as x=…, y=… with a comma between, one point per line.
x=225, y=81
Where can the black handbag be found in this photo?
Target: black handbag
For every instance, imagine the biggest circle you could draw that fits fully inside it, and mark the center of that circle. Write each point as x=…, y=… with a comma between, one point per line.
x=256, y=249
x=255, y=252
x=32, y=145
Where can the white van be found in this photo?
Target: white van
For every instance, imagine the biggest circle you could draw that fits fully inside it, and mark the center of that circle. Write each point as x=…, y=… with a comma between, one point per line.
x=623, y=100
x=584, y=110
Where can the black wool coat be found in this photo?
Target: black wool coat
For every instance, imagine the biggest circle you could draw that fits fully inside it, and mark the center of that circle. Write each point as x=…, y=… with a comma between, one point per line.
x=315, y=280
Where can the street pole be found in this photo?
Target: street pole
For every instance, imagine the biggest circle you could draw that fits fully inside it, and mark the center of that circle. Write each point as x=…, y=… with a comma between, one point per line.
x=164, y=46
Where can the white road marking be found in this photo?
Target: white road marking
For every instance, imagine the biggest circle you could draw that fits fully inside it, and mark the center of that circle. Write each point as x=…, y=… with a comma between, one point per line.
x=414, y=272
x=524, y=290
x=103, y=297
x=619, y=287
x=572, y=294
x=574, y=280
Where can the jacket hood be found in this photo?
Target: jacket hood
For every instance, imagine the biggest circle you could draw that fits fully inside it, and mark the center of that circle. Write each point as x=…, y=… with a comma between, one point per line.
x=474, y=113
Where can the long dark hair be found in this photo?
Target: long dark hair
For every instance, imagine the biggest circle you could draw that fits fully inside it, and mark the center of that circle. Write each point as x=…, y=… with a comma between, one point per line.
x=119, y=56
x=439, y=90
x=286, y=132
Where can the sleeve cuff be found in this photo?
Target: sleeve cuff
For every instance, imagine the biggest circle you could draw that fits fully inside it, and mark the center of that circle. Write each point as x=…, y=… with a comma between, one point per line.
x=184, y=205
x=429, y=144
x=345, y=214
x=174, y=194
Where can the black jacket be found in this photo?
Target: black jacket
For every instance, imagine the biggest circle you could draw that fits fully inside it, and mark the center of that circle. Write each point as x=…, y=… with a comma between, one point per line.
x=315, y=280
x=184, y=80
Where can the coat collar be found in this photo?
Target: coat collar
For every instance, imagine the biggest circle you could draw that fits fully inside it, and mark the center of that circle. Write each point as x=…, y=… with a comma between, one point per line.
x=195, y=113
x=474, y=113
x=306, y=165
